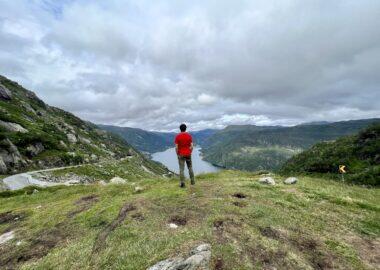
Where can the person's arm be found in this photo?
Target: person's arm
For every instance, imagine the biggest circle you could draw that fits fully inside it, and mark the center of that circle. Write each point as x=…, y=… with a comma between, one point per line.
x=176, y=145
x=191, y=147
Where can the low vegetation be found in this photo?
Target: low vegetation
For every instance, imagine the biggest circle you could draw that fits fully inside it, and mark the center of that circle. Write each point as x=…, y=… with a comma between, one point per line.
x=359, y=153
x=315, y=224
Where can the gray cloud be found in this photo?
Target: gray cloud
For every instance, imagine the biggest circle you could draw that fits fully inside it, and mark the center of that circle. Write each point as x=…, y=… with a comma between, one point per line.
x=207, y=63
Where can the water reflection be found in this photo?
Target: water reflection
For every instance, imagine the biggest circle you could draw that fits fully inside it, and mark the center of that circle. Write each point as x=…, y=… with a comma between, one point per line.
x=170, y=160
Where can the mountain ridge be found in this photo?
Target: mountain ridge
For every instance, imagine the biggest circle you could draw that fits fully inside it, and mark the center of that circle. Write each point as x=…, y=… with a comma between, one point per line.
x=34, y=135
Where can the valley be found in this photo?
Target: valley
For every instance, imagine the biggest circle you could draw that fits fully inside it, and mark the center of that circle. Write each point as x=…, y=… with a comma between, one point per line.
x=89, y=199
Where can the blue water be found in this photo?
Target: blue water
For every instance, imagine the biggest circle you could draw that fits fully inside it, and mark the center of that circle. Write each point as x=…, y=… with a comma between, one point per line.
x=170, y=160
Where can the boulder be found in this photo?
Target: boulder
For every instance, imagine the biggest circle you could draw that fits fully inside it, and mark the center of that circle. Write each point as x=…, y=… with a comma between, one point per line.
x=198, y=259
x=5, y=94
x=290, y=180
x=34, y=150
x=267, y=181
x=72, y=138
x=118, y=180
x=10, y=155
x=84, y=140
x=6, y=237
x=12, y=127
x=3, y=167
x=138, y=189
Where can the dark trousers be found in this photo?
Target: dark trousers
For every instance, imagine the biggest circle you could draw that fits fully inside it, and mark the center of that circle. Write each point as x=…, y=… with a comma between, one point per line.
x=181, y=161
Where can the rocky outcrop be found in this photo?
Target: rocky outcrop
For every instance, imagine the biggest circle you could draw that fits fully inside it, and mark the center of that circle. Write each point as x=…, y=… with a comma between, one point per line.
x=118, y=180
x=267, y=181
x=35, y=149
x=72, y=138
x=290, y=180
x=12, y=127
x=198, y=259
x=5, y=94
x=3, y=167
x=10, y=155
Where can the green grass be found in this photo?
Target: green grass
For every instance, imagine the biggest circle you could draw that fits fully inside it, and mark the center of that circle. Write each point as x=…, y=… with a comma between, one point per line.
x=315, y=223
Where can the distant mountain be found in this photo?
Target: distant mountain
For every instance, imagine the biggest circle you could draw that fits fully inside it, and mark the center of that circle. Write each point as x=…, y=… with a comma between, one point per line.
x=36, y=135
x=359, y=153
x=143, y=140
x=268, y=147
x=152, y=141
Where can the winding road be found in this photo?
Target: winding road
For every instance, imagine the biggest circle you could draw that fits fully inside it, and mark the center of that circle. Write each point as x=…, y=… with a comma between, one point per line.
x=21, y=180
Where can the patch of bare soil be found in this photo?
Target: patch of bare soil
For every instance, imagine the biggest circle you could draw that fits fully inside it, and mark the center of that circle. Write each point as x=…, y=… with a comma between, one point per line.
x=138, y=217
x=100, y=240
x=178, y=220
x=312, y=249
x=83, y=204
x=240, y=204
x=12, y=258
x=219, y=264
x=270, y=232
x=268, y=259
x=368, y=249
x=8, y=217
x=239, y=195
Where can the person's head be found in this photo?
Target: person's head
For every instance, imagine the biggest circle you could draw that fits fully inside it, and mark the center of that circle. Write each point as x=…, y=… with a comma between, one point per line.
x=182, y=127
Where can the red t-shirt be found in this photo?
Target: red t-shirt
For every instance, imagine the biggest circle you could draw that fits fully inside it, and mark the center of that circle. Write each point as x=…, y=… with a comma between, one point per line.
x=184, y=141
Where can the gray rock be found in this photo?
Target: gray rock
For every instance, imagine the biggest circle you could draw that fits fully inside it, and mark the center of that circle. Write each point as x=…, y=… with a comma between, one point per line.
x=6, y=237
x=93, y=157
x=198, y=259
x=34, y=150
x=118, y=180
x=5, y=94
x=72, y=138
x=62, y=143
x=10, y=155
x=28, y=108
x=290, y=180
x=3, y=167
x=267, y=181
x=84, y=140
x=138, y=189
x=12, y=127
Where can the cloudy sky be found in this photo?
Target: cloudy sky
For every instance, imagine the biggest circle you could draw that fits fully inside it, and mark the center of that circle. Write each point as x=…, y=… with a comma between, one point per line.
x=154, y=64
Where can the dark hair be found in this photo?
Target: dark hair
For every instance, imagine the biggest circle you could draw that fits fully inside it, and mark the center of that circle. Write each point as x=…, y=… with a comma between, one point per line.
x=182, y=127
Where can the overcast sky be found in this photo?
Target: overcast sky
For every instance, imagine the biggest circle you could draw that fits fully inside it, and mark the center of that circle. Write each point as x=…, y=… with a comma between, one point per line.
x=154, y=64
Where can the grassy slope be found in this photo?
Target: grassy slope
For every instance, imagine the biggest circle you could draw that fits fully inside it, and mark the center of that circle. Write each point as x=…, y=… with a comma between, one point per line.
x=359, y=153
x=314, y=224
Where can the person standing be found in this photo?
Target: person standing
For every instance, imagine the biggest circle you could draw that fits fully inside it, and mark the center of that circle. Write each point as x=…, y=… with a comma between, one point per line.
x=184, y=147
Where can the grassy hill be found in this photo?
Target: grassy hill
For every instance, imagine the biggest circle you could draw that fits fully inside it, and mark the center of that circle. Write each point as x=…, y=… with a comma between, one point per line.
x=152, y=141
x=360, y=153
x=315, y=224
x=268, y=147
x=35, y=135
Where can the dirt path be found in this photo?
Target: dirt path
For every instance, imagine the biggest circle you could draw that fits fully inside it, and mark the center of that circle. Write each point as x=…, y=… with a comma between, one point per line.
x=21, y=180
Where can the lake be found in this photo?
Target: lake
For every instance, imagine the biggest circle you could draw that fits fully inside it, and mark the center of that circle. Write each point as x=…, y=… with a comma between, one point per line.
x=170, y=160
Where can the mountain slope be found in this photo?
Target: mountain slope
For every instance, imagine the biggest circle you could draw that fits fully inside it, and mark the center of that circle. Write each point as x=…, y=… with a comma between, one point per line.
x=143, y=140
x=152, y=141
x=256, y=148
x=360, y=153
x=35, y=135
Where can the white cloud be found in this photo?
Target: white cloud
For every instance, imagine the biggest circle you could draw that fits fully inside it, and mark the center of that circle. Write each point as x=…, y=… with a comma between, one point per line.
x=206, y=63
